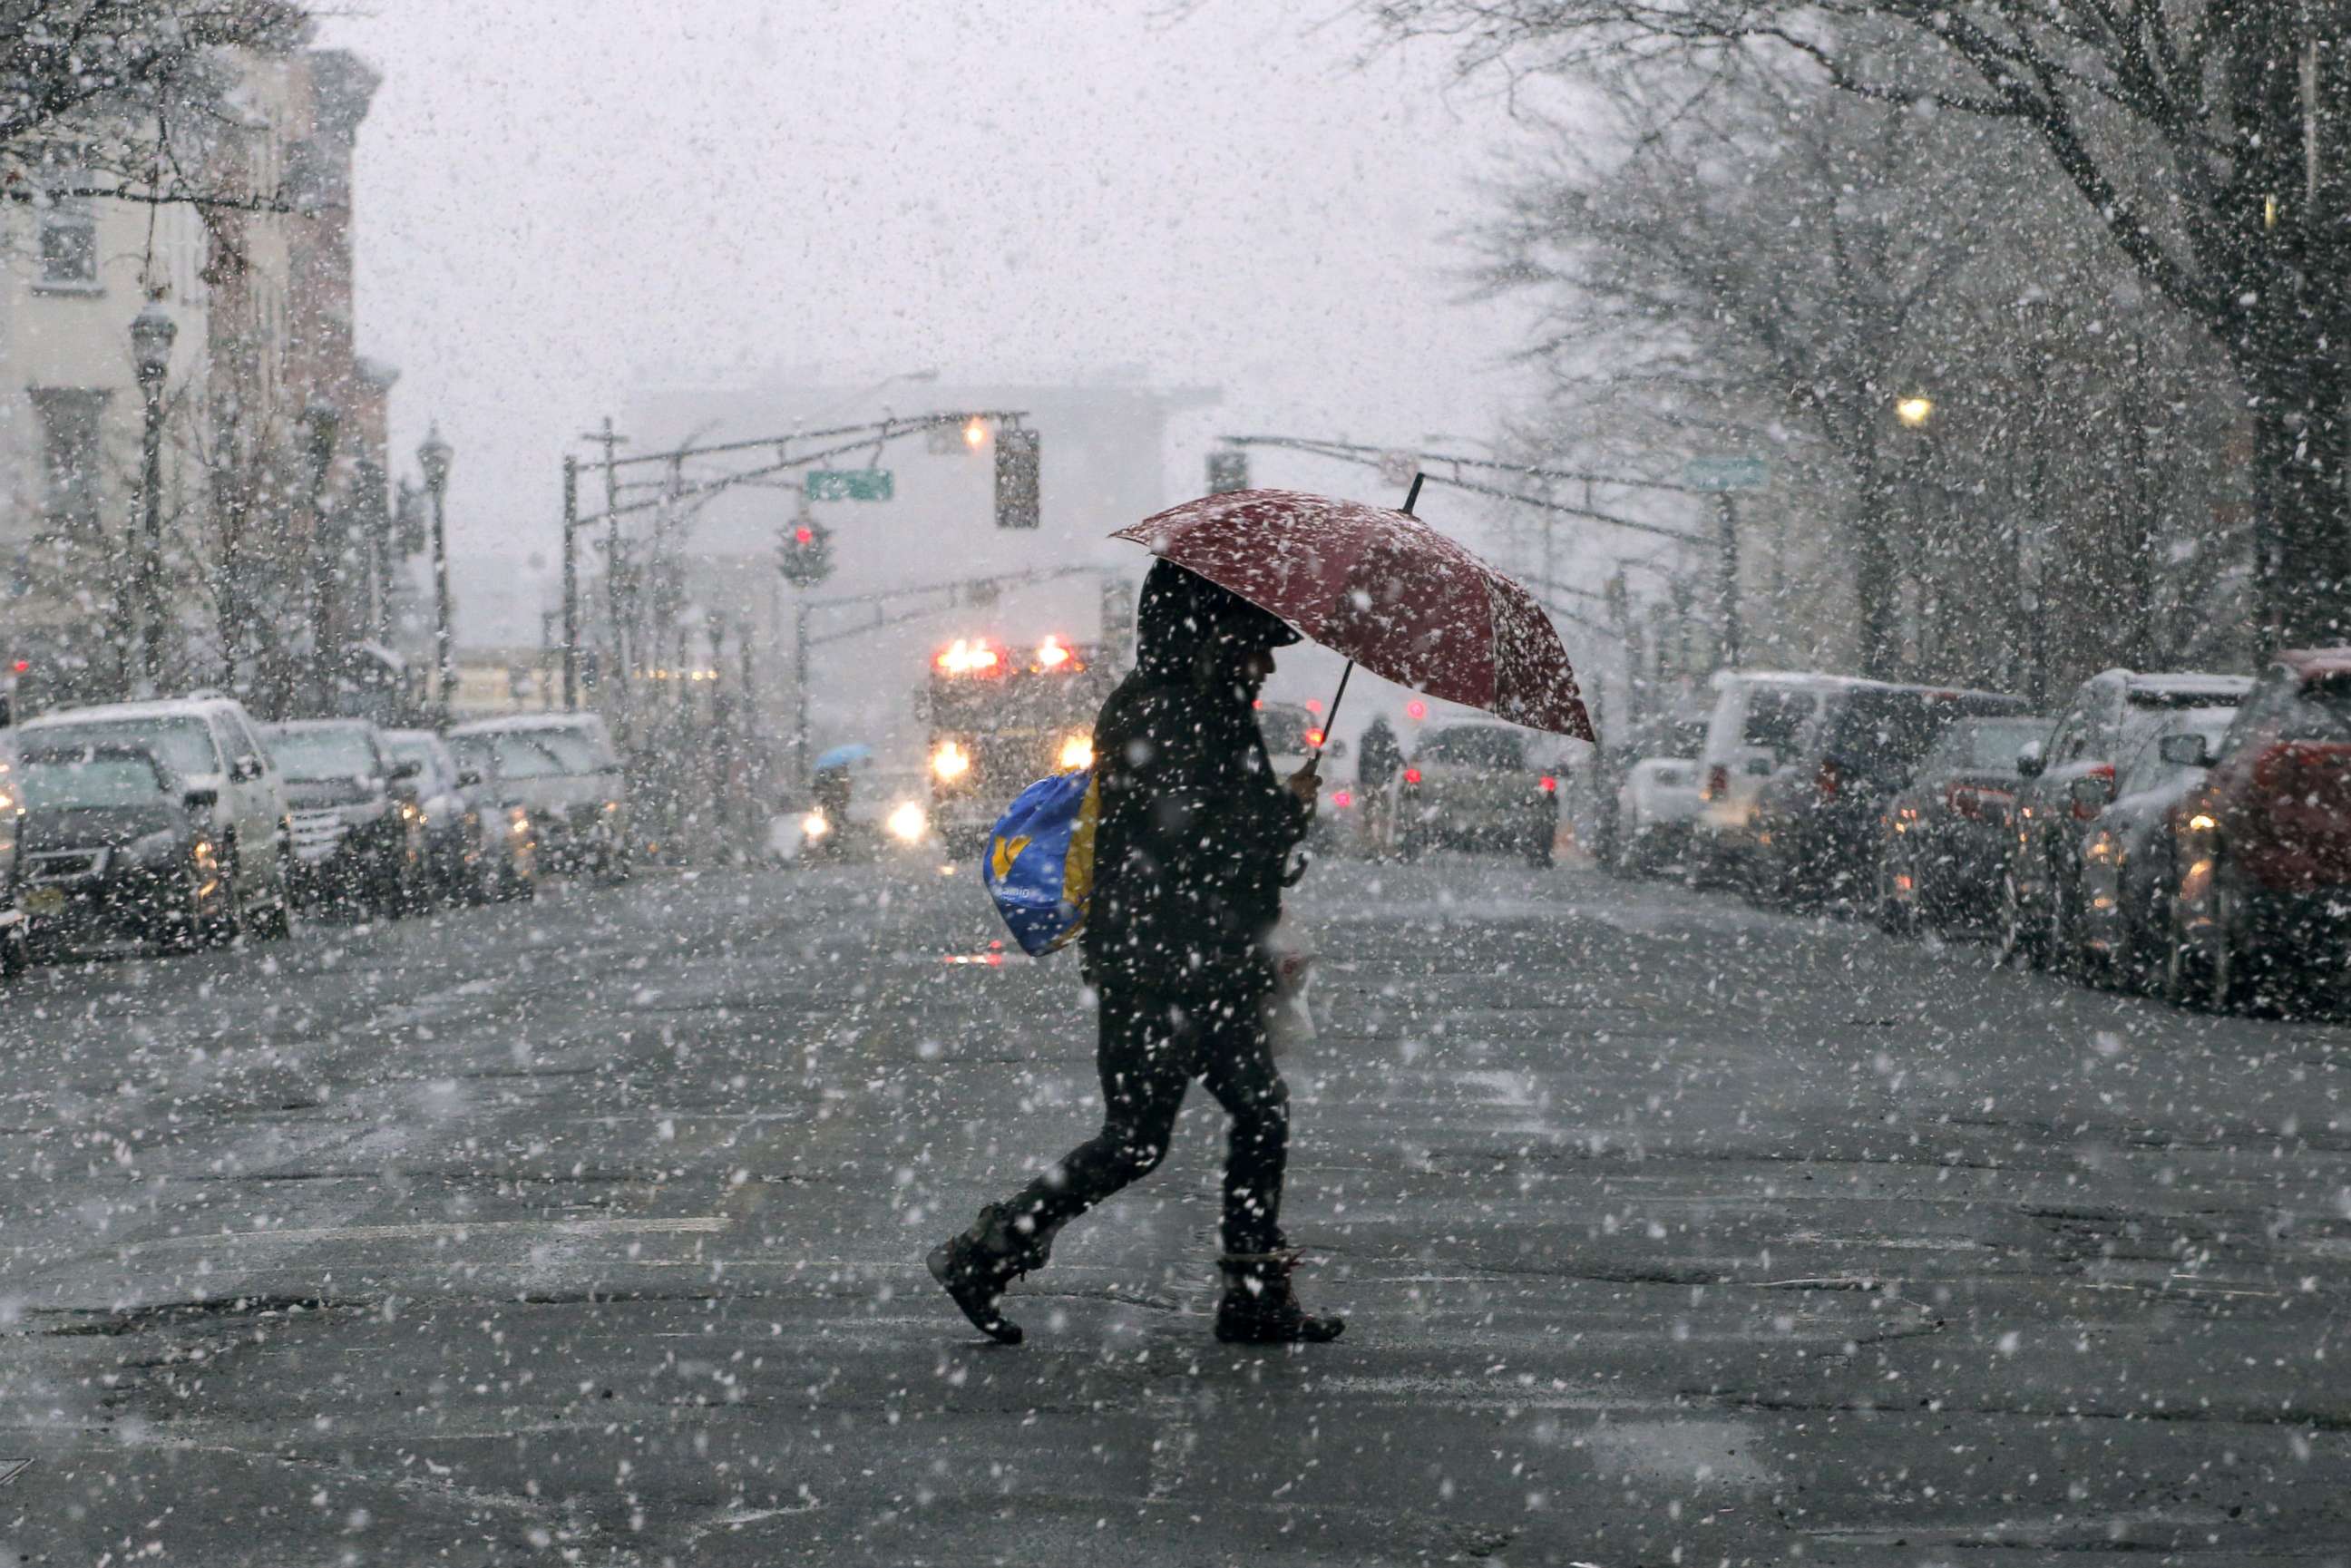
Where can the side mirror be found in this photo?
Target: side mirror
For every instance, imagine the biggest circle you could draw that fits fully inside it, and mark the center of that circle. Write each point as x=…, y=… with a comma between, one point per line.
x=201, y=799
x=467, y=778
x=2092, y=791
x=245, y=769
x=2030, y=762
x=408, y=770
x=2185, y=750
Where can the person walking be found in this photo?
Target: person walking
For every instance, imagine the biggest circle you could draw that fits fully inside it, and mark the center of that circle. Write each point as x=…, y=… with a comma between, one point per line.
x=1376, y=765
x=1193, y=833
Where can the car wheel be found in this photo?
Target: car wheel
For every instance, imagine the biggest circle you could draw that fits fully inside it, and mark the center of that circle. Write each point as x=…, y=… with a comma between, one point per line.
x=226, y=926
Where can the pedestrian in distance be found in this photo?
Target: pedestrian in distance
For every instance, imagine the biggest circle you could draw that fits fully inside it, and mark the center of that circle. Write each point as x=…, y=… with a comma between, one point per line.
x=1193, y=833
x=1377, y=763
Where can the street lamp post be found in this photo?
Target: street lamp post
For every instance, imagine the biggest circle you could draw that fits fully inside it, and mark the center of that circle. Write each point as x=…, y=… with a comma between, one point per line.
x=433, y=457
x=152, y=332
x=321, y=423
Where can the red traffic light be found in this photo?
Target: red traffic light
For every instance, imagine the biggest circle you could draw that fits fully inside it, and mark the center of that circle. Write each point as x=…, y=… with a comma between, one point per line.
x=1550, y=785
x=804, y=535
x=1412, y=775
x=1415, y=709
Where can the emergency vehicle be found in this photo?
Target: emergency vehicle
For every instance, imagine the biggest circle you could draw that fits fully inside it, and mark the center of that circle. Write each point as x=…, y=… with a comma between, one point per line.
x=1001, y=717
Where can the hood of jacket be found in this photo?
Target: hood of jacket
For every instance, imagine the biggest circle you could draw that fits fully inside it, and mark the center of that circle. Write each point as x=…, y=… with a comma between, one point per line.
x=1186, y=628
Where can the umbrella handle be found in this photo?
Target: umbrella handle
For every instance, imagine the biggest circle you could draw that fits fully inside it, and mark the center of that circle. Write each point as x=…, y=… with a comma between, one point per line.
x=1331, y=717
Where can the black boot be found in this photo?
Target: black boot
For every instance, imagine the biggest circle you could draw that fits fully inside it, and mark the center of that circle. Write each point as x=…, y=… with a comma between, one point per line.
x=976, y=1266
x=1259, y=1308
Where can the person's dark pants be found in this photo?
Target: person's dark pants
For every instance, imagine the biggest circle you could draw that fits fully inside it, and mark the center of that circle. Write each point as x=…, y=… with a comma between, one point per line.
x=1152, y=1047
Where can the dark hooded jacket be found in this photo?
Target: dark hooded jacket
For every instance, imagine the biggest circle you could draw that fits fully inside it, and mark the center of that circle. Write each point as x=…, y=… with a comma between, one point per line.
x=1194, y=827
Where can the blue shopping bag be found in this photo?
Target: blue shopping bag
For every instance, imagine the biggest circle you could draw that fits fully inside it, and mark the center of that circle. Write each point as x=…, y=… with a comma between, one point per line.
x=1039, y=866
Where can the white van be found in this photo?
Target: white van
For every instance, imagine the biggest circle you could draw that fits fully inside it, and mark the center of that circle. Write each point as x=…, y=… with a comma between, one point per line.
x=211, y=747
x=1760, y=723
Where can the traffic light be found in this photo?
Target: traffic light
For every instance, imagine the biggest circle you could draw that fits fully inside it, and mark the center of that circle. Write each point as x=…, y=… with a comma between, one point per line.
x=1016, y=479
x=1227, y=470
x=807, y=557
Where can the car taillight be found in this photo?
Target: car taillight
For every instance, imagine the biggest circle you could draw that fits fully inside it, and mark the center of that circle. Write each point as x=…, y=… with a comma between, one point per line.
x=1550, y=785
x=1829, y=780
x=1412, y=775
x=2088, y=809
x=1718, y=782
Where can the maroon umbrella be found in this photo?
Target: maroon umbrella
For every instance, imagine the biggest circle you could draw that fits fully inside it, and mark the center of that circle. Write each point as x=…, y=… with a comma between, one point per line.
x=1384, y=589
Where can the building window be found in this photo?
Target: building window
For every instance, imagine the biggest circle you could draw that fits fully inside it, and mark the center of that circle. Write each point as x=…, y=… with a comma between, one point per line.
x=71, y=423
x=69, y=226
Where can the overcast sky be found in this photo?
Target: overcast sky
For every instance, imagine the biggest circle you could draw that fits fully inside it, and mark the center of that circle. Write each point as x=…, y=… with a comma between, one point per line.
x=555, y=196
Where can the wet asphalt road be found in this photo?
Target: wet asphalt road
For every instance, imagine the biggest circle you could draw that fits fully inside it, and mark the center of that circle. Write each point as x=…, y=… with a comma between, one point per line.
x=1668, y=1232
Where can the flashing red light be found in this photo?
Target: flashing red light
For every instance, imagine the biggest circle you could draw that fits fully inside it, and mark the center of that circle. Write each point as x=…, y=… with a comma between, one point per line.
x=1313, y=704
x=1412, y=775
x=1258, y=704
x=1415, y=709
x=1341, y=798
x=966, y=658
x=21, y=666
x=804, y=535
x=1550, y=785
x=1315, y=739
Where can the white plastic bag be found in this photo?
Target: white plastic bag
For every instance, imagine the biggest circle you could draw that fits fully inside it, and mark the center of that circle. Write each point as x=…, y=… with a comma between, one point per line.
x=1289, y=1020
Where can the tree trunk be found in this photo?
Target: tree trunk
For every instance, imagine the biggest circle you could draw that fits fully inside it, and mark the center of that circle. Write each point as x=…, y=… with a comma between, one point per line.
x=2303, y=532
x=1876, y=580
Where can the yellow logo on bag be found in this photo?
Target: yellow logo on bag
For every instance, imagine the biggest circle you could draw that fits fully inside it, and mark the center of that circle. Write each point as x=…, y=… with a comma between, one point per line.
x=1006, y=851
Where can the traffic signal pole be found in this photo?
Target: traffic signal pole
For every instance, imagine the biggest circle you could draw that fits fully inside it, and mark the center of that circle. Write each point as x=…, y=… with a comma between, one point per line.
x=571, y=584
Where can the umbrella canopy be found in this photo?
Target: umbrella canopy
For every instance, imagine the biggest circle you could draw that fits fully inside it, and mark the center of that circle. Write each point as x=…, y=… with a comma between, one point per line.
x=842, y=755
x=1386, y=590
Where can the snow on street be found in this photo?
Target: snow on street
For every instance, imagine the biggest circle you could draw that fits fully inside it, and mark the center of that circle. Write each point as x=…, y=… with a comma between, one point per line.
x=592, y=1230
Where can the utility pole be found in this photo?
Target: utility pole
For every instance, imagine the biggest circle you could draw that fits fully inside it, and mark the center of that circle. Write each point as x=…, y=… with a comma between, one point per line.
x=799, y=693
x=1729, y=567
x=616, y=670
x=571, y=584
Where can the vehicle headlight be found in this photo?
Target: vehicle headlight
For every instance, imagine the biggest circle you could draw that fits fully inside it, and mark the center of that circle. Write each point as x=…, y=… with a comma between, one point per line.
x=950, y=761
x=157, y=847
x=909, y=822
x=1077, y=751
x=815, y=825
x=2202, y=822
x=518, y=824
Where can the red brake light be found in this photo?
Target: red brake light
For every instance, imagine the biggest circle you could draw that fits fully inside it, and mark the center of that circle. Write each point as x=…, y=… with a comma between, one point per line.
x=804, y=535
x=23, y=664
x=1315, y=739
x=1718, y=782
x=1829, y=780
x=1550, y=785
x=1412, y=775
x=1341, y=798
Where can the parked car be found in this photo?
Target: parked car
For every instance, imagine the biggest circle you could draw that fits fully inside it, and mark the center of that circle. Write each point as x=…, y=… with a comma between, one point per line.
x=1758, y=724
x=1474, y=787
x=2131, y=857
x=1818, y=817
x=2110, y=716
x=1942, y=845
x=478, y=847
x=562, y=769
x=1645, y=821
x=2262, y=911
x=358, y=844
x=209, y=745
x=110, y=845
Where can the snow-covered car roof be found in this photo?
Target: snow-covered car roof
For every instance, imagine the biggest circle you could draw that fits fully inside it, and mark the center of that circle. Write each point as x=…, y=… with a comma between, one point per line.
x=508, y=722
x=115, y=713
x=2308, y=663
x=2187, y=683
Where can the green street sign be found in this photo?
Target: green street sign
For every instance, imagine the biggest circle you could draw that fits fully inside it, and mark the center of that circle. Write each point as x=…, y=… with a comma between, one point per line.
x=1726, y=474
x=849, y=485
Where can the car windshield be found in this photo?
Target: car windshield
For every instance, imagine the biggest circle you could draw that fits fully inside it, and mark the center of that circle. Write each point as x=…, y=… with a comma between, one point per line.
x=314, y=754
x=2141, y=721
x=541, y=753
x=1479, y=745
x=2322, y=711
x=1775, y=719
x=185, y=745
x=56, y=779
x=1985, y=745
x=1284, y=727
